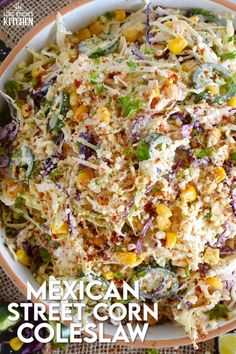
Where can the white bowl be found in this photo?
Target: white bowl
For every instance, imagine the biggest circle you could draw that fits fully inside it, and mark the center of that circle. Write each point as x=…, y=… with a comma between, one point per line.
x=76, y=15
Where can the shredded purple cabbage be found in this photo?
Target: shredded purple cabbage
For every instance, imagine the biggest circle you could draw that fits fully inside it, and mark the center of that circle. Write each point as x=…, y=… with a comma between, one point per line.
x=188, y=305
x=137, y=52
x=138, y=126
x=186, y=130
x=159, y=288
x=8, y=133
x=32, y=347
x=59, y=138
x=204, y=267
x=143, y=233
x=50, y=164
x=77, y=195
x=233, y=200
x=40, y=95
x=149, y=35
x=86, y=150
x=200, y=162
x=128, y=206
x=4, y=160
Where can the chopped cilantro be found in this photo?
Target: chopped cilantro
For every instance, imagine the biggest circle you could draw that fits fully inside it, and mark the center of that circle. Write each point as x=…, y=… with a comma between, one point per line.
x=45, y=255
x=219, y=311
x=118, y=275
x=233, y=156
x=142, y=151
x=94, y=80
x=231, y=38
x=231, y=55
x=132, y=65
x=34, y=82
x=53, y=175
x=129, y=105
x=12, y=87
x=208, y=216
x=203, y=153
x=187, y=272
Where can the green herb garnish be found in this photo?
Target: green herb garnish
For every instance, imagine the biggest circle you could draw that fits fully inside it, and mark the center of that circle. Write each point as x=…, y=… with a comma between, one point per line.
x=12, y=87
x=187, y=272
x=203, y=153
x=132, y=65
x=142, y=151
x=219, y=311
x=129, y=105
x=231, y=55
x=45, y=255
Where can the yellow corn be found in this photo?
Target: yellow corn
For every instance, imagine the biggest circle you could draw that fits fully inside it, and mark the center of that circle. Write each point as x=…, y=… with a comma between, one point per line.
x=219, y=174
x=126, y=258
x=214, y=282
x=194, y=19
x=232, y=102
x=73, y=99
x=177, y=45
x=38, y=72
x=62, y=229
x=171, y=238
x=83, y=34
x=80, y=111
x=169, y=24
x=213, y=90
x=23, y=257
x=163, y=210
x=96, y=28
x=189, y=194
x=84, y=177
x=120, y=15
x=109, y=275
x=211, y=256
x=163, y=223
x=103, y=114
x=15, y=344
x=132, y=34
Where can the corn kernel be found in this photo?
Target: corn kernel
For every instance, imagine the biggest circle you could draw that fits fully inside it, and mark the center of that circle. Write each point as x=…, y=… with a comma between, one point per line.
x=23, y=257
x=214, y=282
x=62, y=229
x=96, y=28
x=163, y=210
x=120, y=15
x=171, y=238
x=189, y=194
x=213, y=90
x=126, y=258
x=103, y=114
x=73, y=99
x=132, y=34
x=211, y=256
x=109, y=275
x=80, y=111
x=16, y=344
x=219, y=174
x=38, y=72
x=84, y=177
x=83, y=34
x=163, y=223
x=189, y=65
x=177, y=45
x=232, y=102
x=169, y=24
x=194, y=19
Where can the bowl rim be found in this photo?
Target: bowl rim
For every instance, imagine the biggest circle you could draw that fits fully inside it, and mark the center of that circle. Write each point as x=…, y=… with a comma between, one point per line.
x=149, y=343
